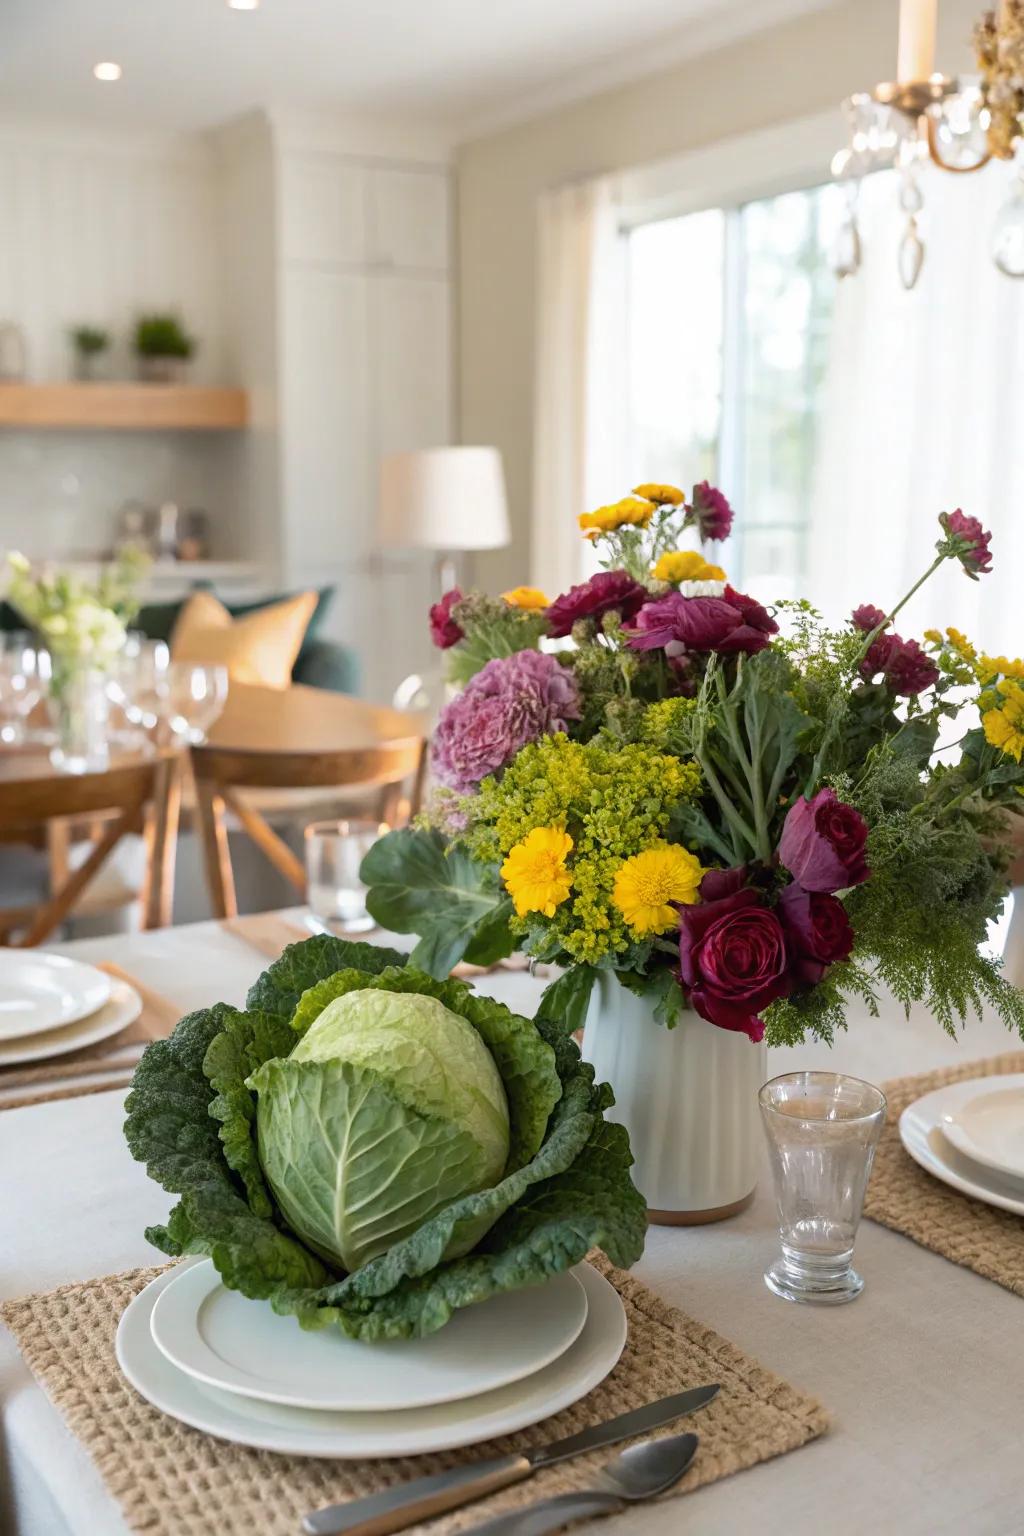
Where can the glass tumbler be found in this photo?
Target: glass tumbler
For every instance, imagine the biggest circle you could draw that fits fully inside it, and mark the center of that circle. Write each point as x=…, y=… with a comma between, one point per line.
x=822, y=1130
x=334, y=852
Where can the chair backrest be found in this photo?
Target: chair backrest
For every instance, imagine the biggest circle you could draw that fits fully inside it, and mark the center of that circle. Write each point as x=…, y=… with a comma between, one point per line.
x=141, y=794
x=221, y=771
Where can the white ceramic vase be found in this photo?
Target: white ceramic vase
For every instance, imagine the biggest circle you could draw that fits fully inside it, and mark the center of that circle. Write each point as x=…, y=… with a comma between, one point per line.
x=687, y=1096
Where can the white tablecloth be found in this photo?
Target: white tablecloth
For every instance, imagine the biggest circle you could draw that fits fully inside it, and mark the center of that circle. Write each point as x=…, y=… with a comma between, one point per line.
x=922, y=1373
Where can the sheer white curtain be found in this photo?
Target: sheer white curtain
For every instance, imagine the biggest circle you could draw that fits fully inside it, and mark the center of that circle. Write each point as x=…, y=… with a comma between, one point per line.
x=924, y=412
x=579, y=415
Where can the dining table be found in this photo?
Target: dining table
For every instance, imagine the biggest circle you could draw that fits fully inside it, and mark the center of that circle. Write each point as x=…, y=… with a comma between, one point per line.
x=921, y=1374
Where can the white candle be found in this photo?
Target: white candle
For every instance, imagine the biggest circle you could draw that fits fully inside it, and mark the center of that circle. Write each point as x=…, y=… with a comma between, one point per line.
x=916, y=58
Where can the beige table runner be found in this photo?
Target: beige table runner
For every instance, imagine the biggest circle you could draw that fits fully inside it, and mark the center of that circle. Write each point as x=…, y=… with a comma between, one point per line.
x=94, y=1068
x=903, y=1196
x=174, y=1481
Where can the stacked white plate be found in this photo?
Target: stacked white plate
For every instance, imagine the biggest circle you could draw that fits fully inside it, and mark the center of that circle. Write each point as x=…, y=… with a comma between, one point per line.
x=235, y=1369
x=50, y=1005
x=971, y=1136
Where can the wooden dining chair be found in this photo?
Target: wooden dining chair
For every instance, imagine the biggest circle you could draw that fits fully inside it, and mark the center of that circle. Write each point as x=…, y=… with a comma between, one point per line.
x=396, y=769
x=140, y=796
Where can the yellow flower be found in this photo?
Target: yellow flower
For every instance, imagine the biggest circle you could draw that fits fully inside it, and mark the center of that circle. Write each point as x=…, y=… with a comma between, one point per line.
x=629, y=512
x=991, y=667
x=663, y=495
x=933, y=636
x=686, y=565
x=1004, y=727
x=646, y=884
x=534, y=873
x=531, y=599
x=960, y=644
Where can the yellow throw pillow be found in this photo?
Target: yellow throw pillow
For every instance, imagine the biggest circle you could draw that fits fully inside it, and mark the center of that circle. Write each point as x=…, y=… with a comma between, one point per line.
x=258, y=647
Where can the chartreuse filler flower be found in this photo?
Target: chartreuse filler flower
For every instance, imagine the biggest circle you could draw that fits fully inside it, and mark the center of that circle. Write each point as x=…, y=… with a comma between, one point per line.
x=370, y=1149
x=744, y=812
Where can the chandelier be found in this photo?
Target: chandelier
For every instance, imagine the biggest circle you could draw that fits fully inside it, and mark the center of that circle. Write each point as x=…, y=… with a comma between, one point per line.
x=957, y=124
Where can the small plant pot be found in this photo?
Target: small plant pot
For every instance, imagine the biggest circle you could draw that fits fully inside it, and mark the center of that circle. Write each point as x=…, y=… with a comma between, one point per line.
x=89, y=366
x=163, y=370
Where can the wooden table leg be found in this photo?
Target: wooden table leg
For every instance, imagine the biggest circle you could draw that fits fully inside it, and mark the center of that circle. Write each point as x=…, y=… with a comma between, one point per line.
x=220, y=879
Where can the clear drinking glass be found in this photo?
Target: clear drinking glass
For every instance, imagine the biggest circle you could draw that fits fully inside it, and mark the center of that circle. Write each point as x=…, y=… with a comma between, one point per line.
x=822, y=1130
x=334, y=852
x=24, y=677
x=195, y=699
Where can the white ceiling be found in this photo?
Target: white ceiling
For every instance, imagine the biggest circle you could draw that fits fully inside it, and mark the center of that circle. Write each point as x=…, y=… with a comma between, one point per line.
x=463, y=64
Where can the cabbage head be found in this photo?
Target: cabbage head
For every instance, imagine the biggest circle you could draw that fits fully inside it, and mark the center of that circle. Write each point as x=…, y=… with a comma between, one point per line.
x=370, y=1149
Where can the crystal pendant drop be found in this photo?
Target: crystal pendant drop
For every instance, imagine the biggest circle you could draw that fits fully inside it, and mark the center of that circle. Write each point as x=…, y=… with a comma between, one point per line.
x=1008, y=235
x=961, y=130
x=911, y=196
x=846, y=252
x=911, y=255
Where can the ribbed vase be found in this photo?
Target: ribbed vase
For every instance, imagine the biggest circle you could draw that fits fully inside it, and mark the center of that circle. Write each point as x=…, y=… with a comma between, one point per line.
x=688, y=1098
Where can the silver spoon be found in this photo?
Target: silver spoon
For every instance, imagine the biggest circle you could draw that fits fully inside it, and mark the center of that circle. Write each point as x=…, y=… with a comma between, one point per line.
x=641, y=1472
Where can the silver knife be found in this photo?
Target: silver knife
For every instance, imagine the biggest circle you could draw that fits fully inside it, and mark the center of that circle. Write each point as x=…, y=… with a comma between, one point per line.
x=395, y=1508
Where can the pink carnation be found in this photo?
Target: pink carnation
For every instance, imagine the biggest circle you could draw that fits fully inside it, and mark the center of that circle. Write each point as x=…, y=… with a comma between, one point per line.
x=970, y=542
x=511, y=701
x=711, y=512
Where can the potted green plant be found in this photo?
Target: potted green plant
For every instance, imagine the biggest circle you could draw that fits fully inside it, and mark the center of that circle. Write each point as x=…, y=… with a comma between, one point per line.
x=89, y=343
x=163, y=348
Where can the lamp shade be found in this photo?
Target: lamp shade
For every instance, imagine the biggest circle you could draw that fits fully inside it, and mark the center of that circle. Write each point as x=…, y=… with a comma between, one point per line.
x=444, y=498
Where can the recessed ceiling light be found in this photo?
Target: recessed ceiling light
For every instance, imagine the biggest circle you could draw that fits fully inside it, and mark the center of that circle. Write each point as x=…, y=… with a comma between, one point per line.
x=107, y=71
x=244, y=5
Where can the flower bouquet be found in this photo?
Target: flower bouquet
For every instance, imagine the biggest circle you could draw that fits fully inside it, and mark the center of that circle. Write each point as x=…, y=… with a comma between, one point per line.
x=740, y=817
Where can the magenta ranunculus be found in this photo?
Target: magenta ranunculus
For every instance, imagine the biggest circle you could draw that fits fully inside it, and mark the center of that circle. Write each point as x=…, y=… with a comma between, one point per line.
x=679, y=625
x=733, y=960
x=443, y=629
x=903, y=665
x=818, y=931
x=511, y=701
x=603, y=593
x=822, y=843
x=970, y=540
x=867, y=617
x=712, y=513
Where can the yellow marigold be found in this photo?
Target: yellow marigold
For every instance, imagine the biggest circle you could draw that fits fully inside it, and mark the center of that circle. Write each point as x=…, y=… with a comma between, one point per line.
x=629, y=512
x=647, y=884
x=933, y=636
x=991, y=667
x=960, y=644
x=1004, y=725
x=531, y=599
x=678, y=565
x=534, y=873
x=662, y=495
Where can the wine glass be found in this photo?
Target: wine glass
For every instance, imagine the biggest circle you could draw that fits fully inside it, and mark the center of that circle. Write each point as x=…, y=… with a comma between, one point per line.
x=195, y=698
x=24, y=676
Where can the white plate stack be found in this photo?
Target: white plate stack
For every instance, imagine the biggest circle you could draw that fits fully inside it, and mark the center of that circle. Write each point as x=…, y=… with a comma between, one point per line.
x=50, y=1005
x=971, y=1136
x=231, y=1366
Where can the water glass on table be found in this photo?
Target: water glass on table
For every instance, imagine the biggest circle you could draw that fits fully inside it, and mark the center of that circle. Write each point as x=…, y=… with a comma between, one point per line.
x=196, y=696
x=334, y=852
x=24, y=677
x=822, y=1130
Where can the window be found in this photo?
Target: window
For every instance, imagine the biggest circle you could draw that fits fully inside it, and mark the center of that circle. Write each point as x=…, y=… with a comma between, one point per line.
x=729, y=319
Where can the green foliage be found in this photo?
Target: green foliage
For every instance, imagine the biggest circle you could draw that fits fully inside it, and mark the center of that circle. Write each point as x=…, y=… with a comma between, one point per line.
x=90, y=340
x=159, y=335
x=491, y=628
x=565, y=1002
x=571, y=1194
x=823, y=1010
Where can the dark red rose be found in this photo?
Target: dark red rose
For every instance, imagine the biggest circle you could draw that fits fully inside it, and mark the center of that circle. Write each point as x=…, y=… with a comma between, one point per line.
x=443, y=629
x=903, y=665
x=867, y=617
x=679, y=625
x=822, y=843
x=711, y=512
x=970, y=540
x=732, y=954
x=603, y=593
x=817, y=931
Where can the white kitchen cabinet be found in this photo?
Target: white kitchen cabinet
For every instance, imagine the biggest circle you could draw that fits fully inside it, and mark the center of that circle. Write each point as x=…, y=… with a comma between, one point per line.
x=322, y=210
x=409, y=220
x=410, y=344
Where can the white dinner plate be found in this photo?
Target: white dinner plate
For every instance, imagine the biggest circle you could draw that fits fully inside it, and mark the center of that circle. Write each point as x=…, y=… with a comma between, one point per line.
x=351, y=1436
x=922, y=1135
x=223, y=1339
x=984, y=1119
x=122, y=1009
x=41, y=992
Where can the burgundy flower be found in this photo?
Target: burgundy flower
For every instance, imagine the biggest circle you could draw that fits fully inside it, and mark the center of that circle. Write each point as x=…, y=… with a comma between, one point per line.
x=443, y=629
x=732, y=954
x=970, y=542
x=592, y=599
x=511, y=701
x=903, y=665
x=867, y=617
x=679, y=625
x=822, y=843
x=711, y=512
x=817, y=930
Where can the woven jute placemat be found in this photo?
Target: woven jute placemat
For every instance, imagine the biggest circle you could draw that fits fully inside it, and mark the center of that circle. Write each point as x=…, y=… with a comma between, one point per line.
x=173, y=1481
x=901, y=1195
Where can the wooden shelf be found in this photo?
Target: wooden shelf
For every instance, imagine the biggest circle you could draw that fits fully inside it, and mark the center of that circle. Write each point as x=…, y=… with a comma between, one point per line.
x=124, y=407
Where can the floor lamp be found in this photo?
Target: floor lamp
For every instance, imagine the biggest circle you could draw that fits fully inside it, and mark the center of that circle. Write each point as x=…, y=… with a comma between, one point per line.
x=448, y=500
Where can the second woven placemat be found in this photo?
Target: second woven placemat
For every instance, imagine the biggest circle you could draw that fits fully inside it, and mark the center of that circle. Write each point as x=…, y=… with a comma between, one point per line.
x=173, y=1481
x=902, y=1196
